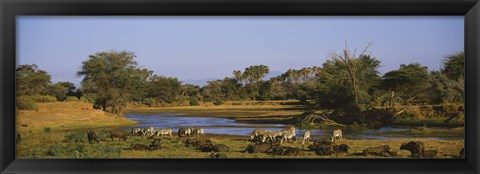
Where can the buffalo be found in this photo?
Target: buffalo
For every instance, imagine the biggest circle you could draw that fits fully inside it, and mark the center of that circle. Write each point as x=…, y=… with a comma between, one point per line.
x=377, y=151
x=462, y=153
x=416, y=148
x=221, y=148
x=92, y=137
x=119, y=134
x=218, y=155
x=259, y=148
x=282, y=150
x=429, y=153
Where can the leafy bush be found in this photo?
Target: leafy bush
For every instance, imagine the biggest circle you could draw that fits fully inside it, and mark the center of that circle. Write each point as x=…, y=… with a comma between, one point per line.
x=218, y=102
x=44, y=98
x=26, y=102
x=47, y=130
x=54, y=150
x=71, y=99
x=194, y=102
x=236, y=103
x=150, y=102
x=87, y=99
x=77, y=137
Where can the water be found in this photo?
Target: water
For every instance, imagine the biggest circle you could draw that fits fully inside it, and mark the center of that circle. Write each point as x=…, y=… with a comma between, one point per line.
x=232, y=127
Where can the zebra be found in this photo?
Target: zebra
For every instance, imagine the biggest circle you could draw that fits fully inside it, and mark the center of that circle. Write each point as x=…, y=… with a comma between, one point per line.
x=163, y=131
x=337, y=134
x=148, y=131
x=136, y=131
x=256, y=133
x=306, y=137
x=198, y=131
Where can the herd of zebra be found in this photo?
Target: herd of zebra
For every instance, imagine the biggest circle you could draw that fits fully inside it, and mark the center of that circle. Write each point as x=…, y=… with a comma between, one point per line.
x=150, y=131
x=257, y=135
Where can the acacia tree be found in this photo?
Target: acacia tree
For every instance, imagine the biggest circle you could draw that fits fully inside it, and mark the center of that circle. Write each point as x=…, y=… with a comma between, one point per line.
x=113, y=79
x=31, y=81
x=253, y=75
x=410, y=81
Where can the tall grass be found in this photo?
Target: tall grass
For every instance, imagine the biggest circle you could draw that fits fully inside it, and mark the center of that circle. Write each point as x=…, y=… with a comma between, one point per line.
x=25, y=102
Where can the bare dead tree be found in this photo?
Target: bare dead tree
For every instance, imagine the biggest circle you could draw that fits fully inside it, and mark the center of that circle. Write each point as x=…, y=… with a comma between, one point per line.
x=351, y=62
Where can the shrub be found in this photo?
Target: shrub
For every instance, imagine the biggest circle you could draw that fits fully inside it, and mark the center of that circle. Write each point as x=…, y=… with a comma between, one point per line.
x=54, y=150
x=47, y=130
x=71, y=99
x=78, y=137
x=87, y=99
x=26, y=103
x=150, y=102
x=194, y=102
x=236, y=103
x=218, y=102
x=43, y=98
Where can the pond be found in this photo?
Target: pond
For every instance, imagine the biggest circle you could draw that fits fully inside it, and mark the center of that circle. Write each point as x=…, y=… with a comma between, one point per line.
x=231, y=127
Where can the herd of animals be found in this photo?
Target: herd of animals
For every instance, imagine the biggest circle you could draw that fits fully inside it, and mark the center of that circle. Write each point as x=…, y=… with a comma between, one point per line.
x=264, y=141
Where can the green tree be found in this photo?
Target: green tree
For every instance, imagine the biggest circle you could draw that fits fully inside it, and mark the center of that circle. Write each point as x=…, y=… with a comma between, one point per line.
x=444, y=89
x=231, y=89
x=31, y=81
x=410, y=81
x=112, y=79
x=453, y=66
x=58, y=91
x=253, y=75
x=352, y=64
x=213, y=91
x=164, y=89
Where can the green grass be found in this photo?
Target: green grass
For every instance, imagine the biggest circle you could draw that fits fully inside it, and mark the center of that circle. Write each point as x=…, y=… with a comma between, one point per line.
x=74, y=144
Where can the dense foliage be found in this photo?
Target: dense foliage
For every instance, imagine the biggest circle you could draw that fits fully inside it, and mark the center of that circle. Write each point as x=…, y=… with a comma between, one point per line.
x=346, y=82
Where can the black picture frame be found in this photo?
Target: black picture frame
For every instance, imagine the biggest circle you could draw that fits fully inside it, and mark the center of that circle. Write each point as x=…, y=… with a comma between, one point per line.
x=11, y=8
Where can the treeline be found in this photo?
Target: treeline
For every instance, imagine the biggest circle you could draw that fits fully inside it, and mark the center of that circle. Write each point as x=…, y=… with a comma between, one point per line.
x=113, y=79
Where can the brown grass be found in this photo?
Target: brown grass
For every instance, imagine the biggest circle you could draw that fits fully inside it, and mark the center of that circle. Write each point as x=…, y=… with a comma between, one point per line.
x=68, y=115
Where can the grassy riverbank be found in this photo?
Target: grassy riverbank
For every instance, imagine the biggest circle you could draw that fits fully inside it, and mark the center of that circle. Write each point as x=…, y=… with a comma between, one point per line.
x=73, y=144
x=243, y=111
x=425, y=132
x=67, y=116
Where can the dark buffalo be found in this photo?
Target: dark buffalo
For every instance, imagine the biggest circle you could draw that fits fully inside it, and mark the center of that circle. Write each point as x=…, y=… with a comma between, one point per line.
x=462, y=153
x=377, y=151
x=119, y=134
x=221, y=148
x=206, y=147
x=259, y=148
x=197, y=142
x=218, y=155
x=155, y=145
x=429, y=153
x=392, y=154
x=92, y=137
x=139, y=147
x=416, y=148
x=323, y=149
x=342, y=148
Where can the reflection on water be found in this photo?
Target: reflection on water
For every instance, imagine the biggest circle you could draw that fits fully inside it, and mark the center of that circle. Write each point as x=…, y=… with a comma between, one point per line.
x=231, y=127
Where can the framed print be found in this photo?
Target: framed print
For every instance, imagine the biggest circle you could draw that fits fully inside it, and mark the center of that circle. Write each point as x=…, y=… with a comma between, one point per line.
x=232, y=87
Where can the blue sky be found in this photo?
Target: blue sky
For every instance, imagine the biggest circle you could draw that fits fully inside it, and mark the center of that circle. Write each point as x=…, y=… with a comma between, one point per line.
x=198, y=48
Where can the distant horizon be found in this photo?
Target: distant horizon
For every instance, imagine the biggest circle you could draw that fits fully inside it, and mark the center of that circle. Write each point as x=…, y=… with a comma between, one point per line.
x=193, y=49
